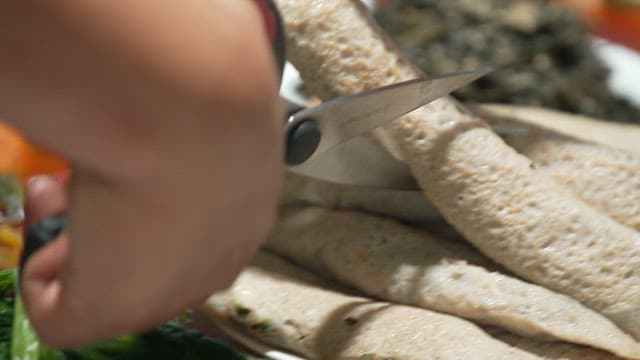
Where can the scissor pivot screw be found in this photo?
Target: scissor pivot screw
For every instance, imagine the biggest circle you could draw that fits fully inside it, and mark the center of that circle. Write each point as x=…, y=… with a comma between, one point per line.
x=302, y=141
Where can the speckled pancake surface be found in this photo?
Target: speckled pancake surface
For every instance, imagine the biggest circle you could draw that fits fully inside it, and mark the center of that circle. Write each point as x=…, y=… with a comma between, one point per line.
x=398, y=263
x=520, y=218
x=285, y=306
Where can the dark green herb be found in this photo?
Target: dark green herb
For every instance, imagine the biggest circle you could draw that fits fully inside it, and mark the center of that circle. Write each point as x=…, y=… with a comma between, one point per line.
x=7, y=298
x=167, y=342
x=540, y=50
x=11, y=210
x=242, y=312
x=350, y=321
x=24, y=342
x=262, y=326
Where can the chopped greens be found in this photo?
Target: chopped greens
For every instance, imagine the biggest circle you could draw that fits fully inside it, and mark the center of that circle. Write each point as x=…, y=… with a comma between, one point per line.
x=541, y=52
x=24, y=342
x=167, y=342
x=7, y=296
x=11, y=196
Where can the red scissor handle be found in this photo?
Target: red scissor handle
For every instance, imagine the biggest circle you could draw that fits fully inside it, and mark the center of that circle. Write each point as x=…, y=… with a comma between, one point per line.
x=45, y=231
x=275, y=30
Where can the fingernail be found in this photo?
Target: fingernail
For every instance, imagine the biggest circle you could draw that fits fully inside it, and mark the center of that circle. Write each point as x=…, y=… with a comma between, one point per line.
x=40, y=182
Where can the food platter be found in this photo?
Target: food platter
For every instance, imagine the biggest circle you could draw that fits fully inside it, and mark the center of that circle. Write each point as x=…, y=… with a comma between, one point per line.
x=625, y=65
x=625, y=68
x=213, y=327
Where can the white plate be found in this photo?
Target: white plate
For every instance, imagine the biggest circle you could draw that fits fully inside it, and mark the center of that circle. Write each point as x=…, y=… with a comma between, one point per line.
x=226, y=332
x=256, y=346
x=625, y=68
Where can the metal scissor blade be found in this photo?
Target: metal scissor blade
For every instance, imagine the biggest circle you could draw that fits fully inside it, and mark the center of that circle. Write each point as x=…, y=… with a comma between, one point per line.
x=347, y=117
x=360, y=162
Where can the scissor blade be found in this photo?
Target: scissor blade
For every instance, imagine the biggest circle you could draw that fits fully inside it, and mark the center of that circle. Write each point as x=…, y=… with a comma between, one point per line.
x=359, y=162
x=347, y=117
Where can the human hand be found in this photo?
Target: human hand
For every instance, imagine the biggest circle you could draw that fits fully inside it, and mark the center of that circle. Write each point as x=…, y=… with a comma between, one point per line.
x=170, y=118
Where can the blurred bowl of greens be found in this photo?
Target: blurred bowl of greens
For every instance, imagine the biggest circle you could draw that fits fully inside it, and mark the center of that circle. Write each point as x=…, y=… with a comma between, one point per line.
x=544, y=52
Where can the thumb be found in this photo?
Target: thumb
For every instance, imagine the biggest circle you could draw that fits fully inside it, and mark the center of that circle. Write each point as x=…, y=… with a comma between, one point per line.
x=46, y=196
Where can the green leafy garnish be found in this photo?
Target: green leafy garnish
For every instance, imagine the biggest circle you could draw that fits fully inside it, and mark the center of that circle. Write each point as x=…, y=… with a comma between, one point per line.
x=11, y=197
x=167, y=342
x=24, y=341
x=7, y=298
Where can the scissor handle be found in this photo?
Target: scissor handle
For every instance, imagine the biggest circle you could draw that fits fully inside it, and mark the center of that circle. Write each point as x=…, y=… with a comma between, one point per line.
x=301, y=141
x=40, y=234
x=301, y=138
x=275, y=31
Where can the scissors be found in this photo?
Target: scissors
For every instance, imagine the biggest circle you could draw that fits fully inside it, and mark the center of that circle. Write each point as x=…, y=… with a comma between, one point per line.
x=325, y=141
x=312, y=133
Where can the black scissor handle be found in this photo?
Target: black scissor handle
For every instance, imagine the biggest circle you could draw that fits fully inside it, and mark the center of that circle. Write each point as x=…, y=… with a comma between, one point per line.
x=40, y=234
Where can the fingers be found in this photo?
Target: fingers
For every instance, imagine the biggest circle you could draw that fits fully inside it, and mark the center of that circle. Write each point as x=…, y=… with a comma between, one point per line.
x=45, y=197
x=40, y=279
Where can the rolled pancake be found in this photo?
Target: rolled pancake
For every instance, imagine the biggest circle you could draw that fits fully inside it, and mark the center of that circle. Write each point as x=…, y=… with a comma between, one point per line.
x=551, y=350
x=410, y=206
x=621, y=136
x=600, y=175
x=285, y=306
x=601, y=170
x=490, y=193
x=606, y=178
x=401, y=264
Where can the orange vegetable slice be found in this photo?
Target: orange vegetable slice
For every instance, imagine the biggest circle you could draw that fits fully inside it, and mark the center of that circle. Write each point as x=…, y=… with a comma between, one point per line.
x=10, y=247
x=24, y=159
